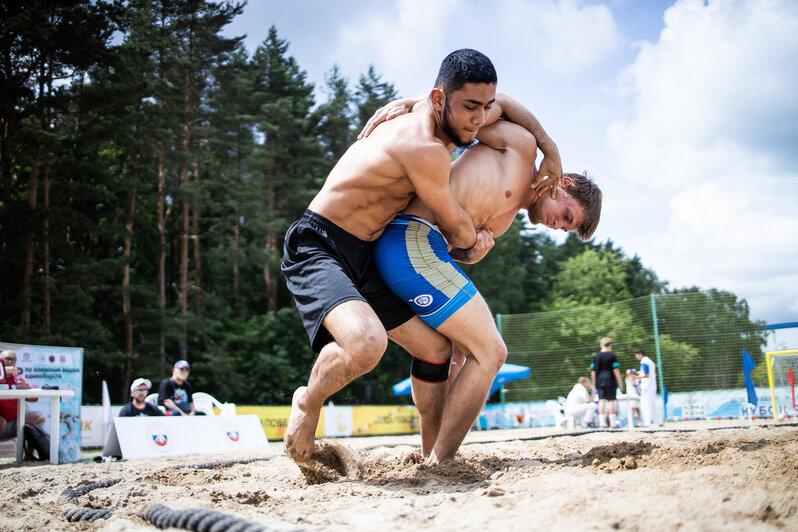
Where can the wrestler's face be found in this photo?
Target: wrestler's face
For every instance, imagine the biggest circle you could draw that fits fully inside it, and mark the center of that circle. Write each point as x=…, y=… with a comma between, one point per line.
x=465, y=111
x=562, y=213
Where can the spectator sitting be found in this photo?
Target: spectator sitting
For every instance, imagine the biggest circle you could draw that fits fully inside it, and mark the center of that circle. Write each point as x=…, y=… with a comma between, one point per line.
x=175, y=393
x=579, y=402
x=8, y=407
x=137, y=405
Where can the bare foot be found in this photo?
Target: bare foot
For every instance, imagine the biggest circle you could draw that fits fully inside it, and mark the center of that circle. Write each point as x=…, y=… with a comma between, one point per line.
x=434, y=459
x=298, y=437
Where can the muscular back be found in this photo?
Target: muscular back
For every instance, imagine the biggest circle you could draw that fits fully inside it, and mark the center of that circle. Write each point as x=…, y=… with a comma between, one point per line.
x=492, y=183
x=374, y=180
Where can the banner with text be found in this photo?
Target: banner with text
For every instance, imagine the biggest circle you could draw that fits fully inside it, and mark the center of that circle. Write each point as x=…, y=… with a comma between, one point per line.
x=55, y=366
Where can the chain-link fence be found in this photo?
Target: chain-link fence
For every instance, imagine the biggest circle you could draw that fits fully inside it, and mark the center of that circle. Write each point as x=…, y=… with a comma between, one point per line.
x=695, y=337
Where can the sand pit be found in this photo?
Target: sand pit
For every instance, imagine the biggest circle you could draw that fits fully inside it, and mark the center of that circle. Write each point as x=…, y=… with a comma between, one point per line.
x=712, y=475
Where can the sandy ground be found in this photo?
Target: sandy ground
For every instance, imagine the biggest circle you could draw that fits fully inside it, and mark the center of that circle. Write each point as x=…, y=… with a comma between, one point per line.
x=709, y=475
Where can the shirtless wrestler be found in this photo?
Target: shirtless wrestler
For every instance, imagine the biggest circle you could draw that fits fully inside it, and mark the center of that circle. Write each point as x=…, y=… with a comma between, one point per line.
x=328, y=254
x=491, y=182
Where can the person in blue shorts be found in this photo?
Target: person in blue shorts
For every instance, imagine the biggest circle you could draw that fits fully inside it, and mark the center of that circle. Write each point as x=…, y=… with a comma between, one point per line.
x=492, y=181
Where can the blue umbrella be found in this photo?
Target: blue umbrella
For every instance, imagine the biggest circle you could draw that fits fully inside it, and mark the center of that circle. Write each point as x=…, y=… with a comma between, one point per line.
x=507, y=373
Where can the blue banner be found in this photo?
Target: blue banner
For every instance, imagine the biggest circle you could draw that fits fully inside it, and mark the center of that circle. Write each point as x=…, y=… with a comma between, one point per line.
x=748, y=365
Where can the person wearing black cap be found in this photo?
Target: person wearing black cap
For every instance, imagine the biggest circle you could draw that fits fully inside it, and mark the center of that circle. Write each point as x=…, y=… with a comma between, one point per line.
x=175, y=393
x=137, y=405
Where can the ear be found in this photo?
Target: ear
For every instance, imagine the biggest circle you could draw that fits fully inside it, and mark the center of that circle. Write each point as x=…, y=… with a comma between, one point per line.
x=438, y=99
x=566, y=181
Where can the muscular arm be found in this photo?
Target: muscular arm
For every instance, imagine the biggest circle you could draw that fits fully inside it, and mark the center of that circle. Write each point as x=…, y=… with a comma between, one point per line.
x=551, y=166
x=504, y=135
x=428, y=169
x=504, y=107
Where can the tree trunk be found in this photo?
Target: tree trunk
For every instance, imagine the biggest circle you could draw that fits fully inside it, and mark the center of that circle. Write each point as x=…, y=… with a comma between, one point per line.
x=184, y=220
x=196, y=239
x=46, y=244
x=27, y=272
x=162, y=215
x=237, y=247
x=271, y=253
x=126, y=305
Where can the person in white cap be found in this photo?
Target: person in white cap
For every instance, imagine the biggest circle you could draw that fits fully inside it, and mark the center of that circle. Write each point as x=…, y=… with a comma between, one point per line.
x=137, y=405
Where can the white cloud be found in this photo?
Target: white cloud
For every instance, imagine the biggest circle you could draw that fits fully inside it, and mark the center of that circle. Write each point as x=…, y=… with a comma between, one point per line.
x=525, y=39
x=714, y=127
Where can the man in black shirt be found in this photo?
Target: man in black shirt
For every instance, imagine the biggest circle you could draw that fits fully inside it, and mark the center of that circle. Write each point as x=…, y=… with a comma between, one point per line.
x=175, y=393
x=137, y=405
x=605, y=374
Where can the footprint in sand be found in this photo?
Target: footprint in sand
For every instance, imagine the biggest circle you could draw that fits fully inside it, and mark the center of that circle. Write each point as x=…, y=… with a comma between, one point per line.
x=330, y=461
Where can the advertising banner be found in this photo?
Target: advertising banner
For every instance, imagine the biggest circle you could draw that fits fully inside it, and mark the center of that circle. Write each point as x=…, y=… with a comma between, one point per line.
x=62, y=367
x=153, y=437
x=275, y=419
x=371, y=420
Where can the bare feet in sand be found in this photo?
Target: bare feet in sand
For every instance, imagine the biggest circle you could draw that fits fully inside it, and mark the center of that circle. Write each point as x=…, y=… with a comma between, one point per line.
x=298, y=438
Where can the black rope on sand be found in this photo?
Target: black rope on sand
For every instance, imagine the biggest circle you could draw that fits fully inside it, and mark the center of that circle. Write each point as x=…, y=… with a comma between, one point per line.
x=77, y=513
x=219, y=465
x=199, y=520
x=70, y=493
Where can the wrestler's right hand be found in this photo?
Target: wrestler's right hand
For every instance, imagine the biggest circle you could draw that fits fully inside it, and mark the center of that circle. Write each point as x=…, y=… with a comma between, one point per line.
x=387, y=112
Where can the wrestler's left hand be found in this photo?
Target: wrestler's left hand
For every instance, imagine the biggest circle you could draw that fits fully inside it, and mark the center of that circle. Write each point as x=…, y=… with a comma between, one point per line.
x=549, y=176
x=387, y=112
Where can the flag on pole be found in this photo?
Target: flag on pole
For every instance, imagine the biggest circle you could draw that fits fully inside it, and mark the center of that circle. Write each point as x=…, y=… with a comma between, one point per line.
x=107, y=419
x=791, y=380
x=748, y=365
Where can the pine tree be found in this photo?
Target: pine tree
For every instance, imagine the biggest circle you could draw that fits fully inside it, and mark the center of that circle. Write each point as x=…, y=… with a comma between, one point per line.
x=286, y=170
x=371, y=94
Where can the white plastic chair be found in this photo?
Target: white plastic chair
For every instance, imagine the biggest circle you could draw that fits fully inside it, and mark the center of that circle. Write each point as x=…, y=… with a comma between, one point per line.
x=204, y=402
x=153, y=400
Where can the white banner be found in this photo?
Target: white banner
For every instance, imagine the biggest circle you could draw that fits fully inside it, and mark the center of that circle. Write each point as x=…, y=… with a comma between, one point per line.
x=156, y=436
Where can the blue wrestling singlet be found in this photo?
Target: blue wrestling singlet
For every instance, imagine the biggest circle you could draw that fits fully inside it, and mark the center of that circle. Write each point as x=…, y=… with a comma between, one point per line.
x=413, y=260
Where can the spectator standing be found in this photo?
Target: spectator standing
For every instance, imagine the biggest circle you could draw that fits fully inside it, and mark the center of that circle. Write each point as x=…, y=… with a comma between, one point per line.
x=137, y=405
x=579, y=402
x=649, y=413
x=605, y=374
x=175, y=393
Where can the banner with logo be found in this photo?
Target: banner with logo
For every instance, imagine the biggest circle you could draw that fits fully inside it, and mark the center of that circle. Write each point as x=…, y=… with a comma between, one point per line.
x=372, y=420
x=55, y=366
x=156, y=436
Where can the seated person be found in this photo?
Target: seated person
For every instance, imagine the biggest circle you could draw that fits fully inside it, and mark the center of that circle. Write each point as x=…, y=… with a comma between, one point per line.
x=175, y=393
x=8, y=407
x=137, y=405
x=579, y=402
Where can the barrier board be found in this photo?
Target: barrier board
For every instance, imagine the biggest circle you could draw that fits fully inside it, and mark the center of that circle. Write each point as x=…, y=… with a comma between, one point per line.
x=153, y=437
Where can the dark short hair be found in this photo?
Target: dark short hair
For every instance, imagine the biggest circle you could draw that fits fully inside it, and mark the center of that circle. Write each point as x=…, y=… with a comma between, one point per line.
x=464, y=66
x=585, y=191
x=640, y=350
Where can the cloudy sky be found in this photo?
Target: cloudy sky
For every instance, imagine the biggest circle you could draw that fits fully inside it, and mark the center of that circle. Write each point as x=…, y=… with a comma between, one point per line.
x=684, y=111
